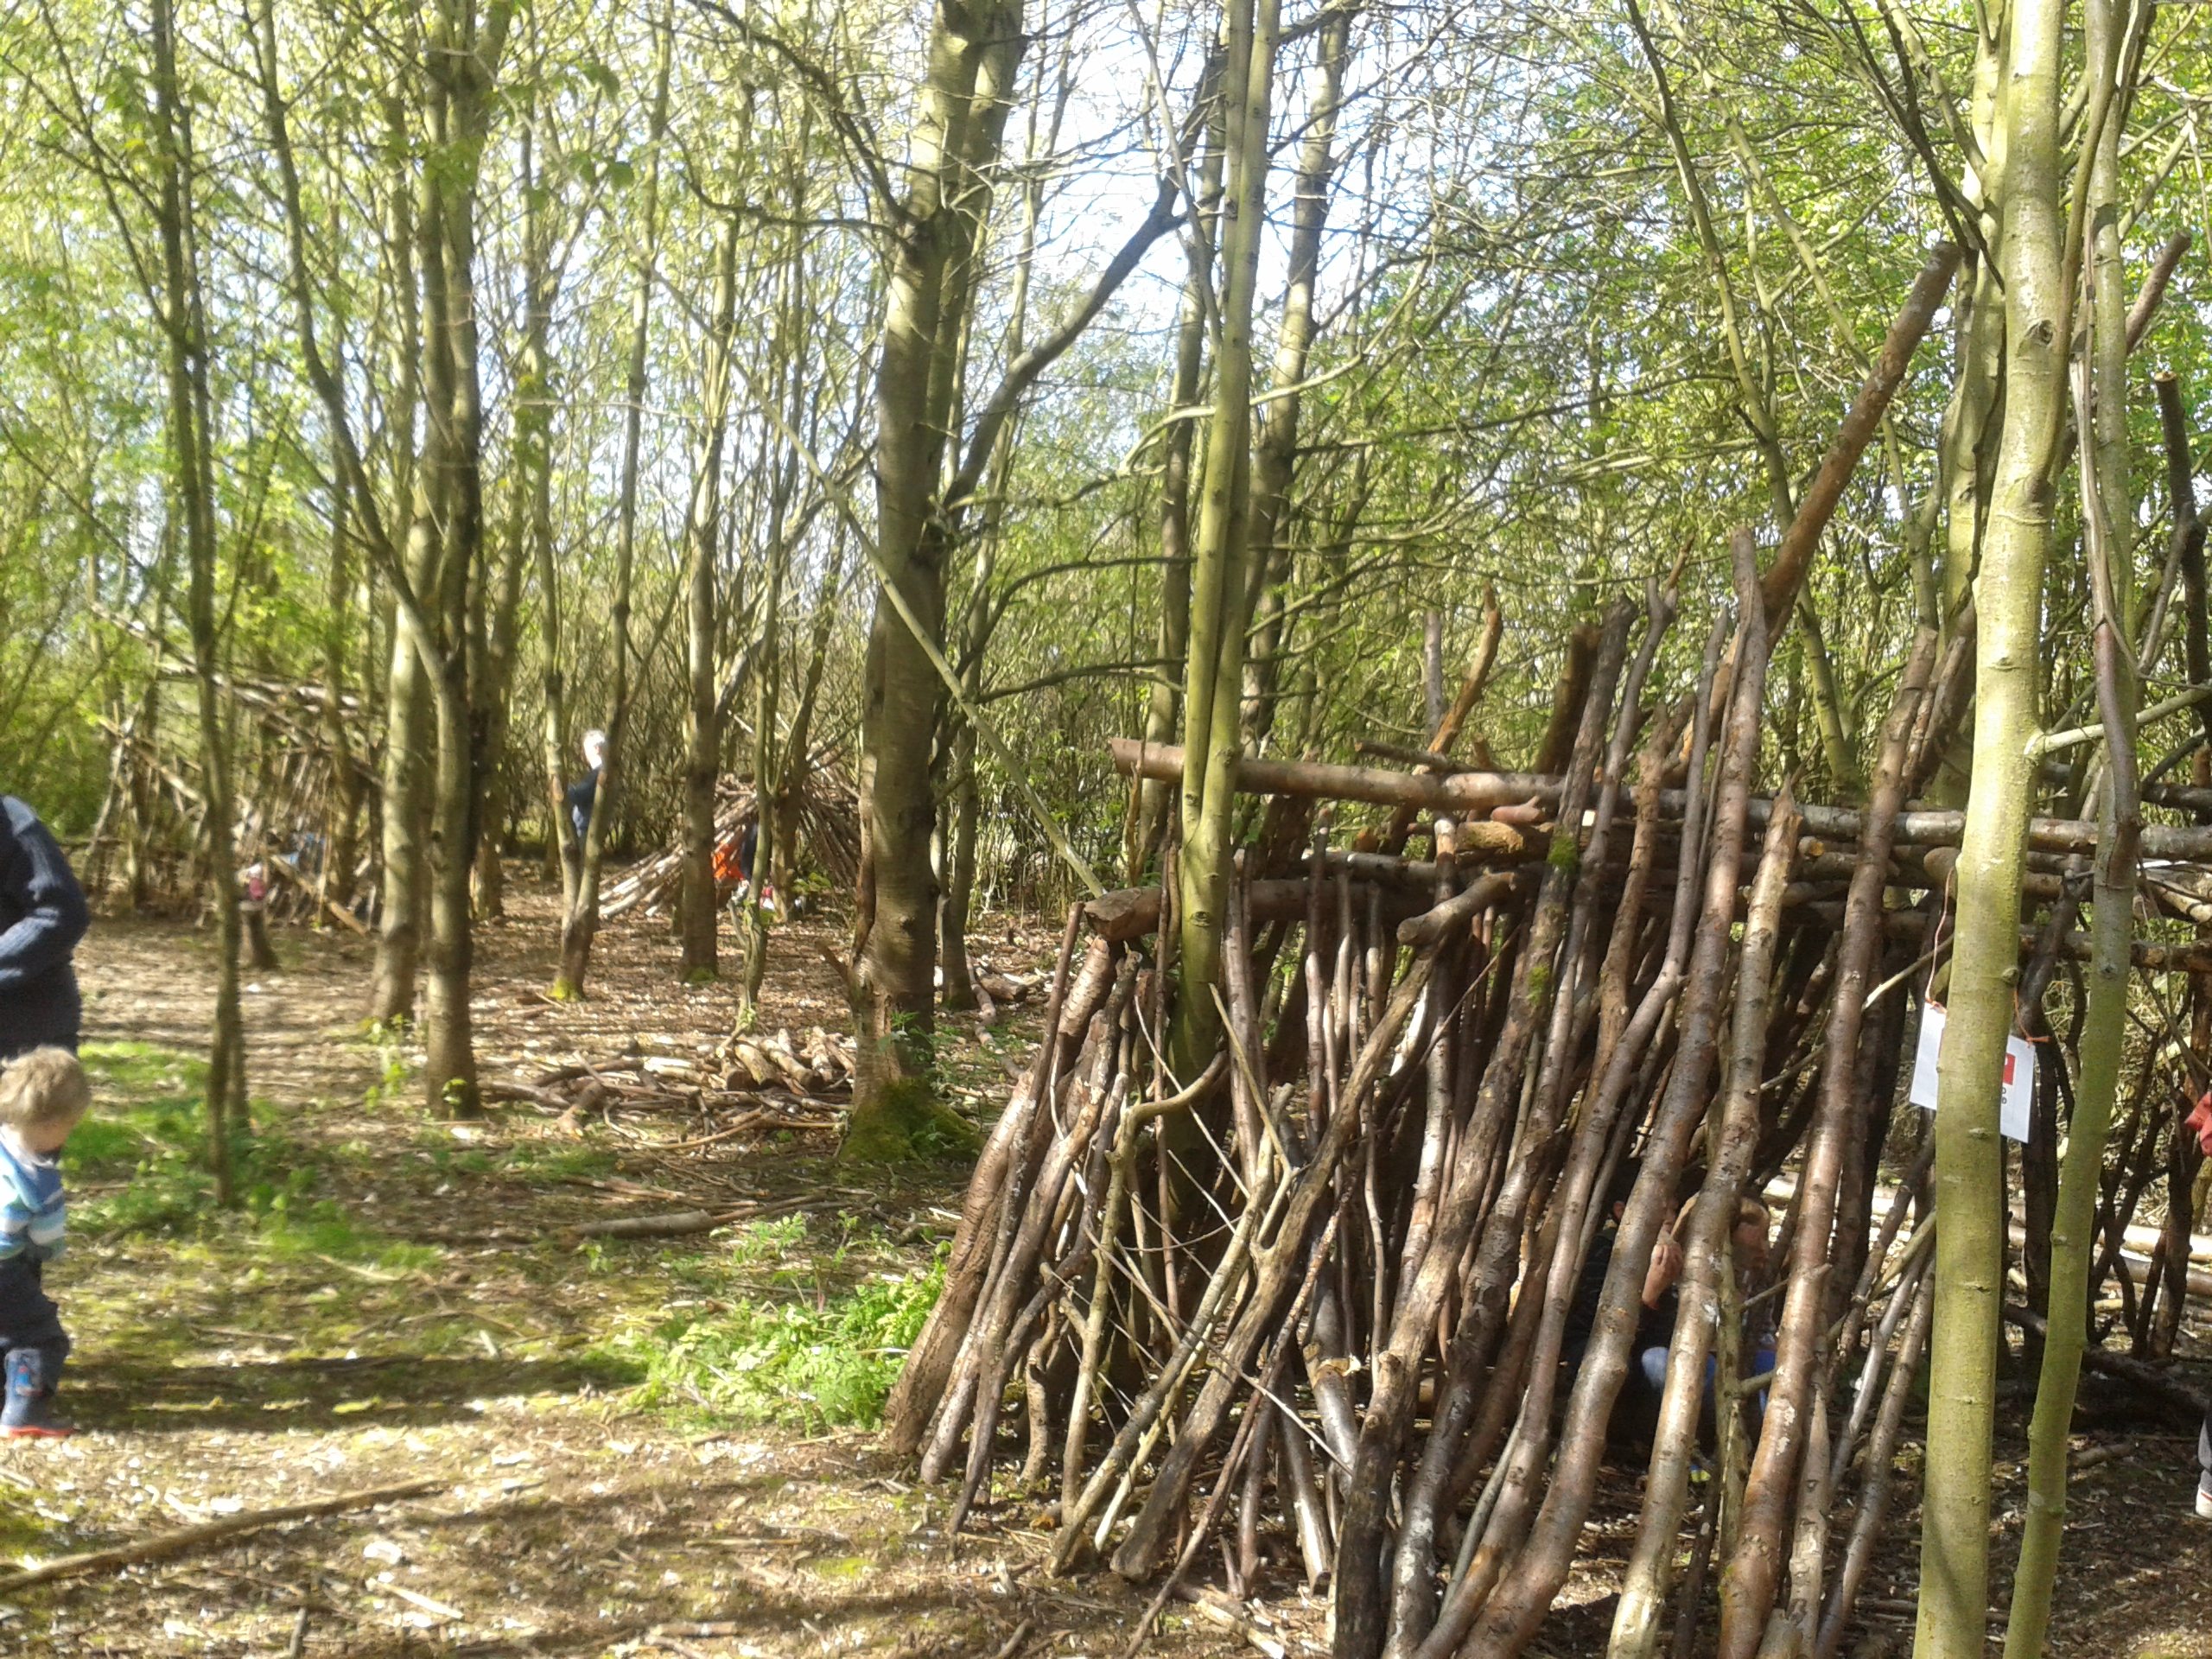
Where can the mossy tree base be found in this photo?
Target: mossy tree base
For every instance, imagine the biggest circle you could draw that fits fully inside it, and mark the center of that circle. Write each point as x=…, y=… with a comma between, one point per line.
x=903, y=1121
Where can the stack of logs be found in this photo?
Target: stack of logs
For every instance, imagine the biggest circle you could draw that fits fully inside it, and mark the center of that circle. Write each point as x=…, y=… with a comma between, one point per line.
x=1316, y=1301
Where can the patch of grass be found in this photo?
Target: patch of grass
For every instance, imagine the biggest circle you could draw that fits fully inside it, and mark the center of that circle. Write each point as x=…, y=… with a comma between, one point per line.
x=145, y=1143
x=331, y=1239
x=537, y=1163
x=814, y=1362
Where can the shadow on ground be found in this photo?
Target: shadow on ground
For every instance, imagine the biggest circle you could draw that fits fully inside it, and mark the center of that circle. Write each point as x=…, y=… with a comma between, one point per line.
x=407, y=1390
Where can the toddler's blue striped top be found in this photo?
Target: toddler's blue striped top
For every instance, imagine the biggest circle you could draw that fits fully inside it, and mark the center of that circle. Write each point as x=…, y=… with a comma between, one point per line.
x=33, y=1215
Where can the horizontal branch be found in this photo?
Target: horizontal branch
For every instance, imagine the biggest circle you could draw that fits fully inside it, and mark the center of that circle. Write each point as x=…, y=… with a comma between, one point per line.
x=1458, y=792
x=230, y=1526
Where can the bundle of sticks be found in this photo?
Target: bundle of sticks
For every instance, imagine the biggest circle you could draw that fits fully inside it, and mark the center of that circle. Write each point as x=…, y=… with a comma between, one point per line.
x=1322, y=1288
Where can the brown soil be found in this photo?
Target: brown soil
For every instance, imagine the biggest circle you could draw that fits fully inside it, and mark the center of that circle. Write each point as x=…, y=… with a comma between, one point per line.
x=230, y=1364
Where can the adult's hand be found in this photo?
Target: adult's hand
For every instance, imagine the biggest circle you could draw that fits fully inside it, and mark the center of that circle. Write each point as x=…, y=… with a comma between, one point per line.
x=2200, y=1122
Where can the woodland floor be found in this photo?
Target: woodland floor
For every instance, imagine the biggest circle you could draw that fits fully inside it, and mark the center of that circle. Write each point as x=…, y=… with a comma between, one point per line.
x=593, y=1414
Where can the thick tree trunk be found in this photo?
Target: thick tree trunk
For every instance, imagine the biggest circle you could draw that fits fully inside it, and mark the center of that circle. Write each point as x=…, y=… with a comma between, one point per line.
x=1969, y=1167
x=973, y=55
x=463, y=60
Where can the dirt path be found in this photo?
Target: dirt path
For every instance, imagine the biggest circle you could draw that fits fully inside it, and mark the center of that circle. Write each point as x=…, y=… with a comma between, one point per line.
x=575, y=1404
x=594, y=1414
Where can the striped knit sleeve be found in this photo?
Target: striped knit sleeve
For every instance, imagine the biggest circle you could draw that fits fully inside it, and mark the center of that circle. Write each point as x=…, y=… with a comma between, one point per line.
x=16, y=1219
x=49, y=1226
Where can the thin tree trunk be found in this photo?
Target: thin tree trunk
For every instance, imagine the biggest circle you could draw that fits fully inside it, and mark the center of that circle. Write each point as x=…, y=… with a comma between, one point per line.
x=1969, y=1167
x=955, y=975
x=1149, y=799
x=791, y=774
x=1220, y=584
x=1747, y=1586
x=1509, y=1617
x=349, y=785
x=1732, y=1130
x=183, y=318
x=402, y=895
x=775, y=768
x=580, y=925
x=533, y=458
x=1275, y=453
x=2108, y=527
x=701, y=918
x=495, y=626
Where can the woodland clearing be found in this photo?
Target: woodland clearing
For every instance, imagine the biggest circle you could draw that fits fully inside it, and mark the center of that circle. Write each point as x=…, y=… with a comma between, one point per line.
x=325, y=1340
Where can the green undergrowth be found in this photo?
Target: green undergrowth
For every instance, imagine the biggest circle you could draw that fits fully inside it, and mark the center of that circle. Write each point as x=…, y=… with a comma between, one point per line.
x=137, y=1168
x=138, y=1163
x=906, y=1121
x=786, y=1335
x=800, y=1322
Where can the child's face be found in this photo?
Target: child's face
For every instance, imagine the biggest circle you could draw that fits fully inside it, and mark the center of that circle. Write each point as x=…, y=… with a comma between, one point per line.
x=43, y=1139
x=1751, y=1247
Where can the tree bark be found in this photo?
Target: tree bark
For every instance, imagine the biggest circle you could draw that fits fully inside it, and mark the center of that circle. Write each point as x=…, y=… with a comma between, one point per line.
x=403, y=897
x=2109, y=527
x=533, y=459
x=1150, y=801
x=1274, y=458
x=1969, y=1167
x=463, y=60
x=1748, y=1582
x=349, y=783
x=701, y=917
x=973, y=56
x=182, y=315
x=1511, y=1614
x=580, y=925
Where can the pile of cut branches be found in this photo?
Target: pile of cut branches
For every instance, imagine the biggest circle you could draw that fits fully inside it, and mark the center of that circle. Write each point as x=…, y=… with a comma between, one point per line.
x=775, y=1080
x=828, y=826
x=1359, y=1285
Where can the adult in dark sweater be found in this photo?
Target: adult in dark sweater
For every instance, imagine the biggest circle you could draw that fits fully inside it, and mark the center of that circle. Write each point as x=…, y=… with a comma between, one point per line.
x=42, y=915
x=584, y=790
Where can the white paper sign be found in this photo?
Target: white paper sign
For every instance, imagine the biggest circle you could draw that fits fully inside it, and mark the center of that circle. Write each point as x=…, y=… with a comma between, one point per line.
x=2015, y=1104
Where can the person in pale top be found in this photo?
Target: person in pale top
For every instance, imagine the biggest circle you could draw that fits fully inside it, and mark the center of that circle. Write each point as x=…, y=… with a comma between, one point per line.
x=585, y=790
